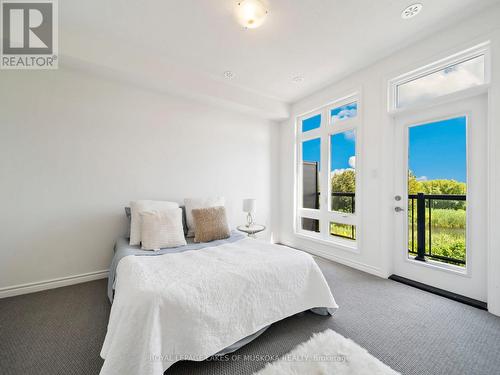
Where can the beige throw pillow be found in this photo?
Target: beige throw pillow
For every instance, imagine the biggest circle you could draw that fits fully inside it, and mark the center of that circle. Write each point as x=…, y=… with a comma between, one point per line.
x=162, y=229
x=210, y=224
x=192, y=203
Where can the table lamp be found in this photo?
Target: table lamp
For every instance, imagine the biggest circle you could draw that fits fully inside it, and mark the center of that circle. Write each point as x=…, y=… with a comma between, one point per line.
x=249, y=206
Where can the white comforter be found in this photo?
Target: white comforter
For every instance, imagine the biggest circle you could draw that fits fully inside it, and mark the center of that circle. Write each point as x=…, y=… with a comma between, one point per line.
x=193, y=304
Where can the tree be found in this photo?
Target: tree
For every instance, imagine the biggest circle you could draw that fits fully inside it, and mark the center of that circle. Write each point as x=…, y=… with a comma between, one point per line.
x=439, y=187
x=343, y=182
x=414, y=186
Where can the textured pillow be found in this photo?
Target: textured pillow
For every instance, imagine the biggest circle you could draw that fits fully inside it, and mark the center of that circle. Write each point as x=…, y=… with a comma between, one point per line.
x=199, y=203
x=139, y=206
x=210, y=224
x=161, y=229
x=129, y=218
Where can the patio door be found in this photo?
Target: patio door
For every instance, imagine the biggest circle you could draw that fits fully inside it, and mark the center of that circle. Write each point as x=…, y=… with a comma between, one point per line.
x=440, y=196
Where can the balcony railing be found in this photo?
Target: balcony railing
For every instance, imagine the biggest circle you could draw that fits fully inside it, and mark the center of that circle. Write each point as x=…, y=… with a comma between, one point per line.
x=421, y=225
x=348, y=205
x=341, y=202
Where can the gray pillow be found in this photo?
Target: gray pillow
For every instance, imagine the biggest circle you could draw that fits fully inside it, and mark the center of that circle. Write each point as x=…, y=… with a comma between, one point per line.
x=129, y=218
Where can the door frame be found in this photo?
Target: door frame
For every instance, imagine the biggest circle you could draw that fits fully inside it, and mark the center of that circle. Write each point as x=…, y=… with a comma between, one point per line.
x=476, y=198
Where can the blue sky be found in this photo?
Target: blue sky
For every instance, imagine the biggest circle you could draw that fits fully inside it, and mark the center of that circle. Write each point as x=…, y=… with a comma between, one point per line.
x=438, y=150
x=343, y=144
x=311, y=150
x=343, y=148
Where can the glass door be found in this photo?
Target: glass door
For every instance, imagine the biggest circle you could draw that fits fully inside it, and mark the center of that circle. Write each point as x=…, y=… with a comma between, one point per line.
x=440, y=195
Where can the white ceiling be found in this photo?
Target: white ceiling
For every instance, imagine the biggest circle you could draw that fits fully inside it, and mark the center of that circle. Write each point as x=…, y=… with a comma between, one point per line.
x=188, y=44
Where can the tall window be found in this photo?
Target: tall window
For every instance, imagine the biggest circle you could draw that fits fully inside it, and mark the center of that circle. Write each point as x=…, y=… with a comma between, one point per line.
x=326, y=171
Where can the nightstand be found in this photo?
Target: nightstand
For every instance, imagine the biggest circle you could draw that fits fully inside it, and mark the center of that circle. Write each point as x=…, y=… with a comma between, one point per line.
x=251, y=230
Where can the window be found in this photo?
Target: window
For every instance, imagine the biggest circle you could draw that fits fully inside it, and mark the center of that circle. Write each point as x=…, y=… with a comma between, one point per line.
x=311, y=156
x=456, y=73
x=326, y=196
x=311, y=123
x=343, y=171
x=437, y=191
x=344, y=112
x=343, y=231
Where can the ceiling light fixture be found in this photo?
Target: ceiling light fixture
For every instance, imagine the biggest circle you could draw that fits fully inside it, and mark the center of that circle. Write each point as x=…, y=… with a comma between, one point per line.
x=229, y=74
x=251, y=13
x=411, y=11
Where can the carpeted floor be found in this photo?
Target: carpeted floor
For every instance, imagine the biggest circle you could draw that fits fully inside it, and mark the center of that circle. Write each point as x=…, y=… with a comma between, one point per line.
x=61, y=331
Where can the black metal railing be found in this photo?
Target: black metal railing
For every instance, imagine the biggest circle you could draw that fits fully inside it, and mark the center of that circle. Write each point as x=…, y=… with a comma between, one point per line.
x=348, y=206
x=422, y=224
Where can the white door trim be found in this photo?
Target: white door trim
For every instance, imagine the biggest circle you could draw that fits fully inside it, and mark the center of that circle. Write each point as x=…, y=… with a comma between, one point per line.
x=470, y=282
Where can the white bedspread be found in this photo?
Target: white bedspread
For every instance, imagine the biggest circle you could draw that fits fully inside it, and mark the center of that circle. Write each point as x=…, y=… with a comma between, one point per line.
x=191, y=305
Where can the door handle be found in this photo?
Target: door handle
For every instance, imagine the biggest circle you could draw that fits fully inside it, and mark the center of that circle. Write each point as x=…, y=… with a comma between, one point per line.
x=398, y=209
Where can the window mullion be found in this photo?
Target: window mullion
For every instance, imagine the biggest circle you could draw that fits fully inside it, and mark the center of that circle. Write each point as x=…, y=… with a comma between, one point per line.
x=325, y=167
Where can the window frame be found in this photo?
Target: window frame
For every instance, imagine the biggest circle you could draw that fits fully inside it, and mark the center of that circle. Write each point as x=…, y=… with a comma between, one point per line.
x=324, y=214
x=482, y=49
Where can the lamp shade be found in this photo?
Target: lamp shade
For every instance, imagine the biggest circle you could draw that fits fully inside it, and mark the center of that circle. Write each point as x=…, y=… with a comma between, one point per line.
x=249, y=205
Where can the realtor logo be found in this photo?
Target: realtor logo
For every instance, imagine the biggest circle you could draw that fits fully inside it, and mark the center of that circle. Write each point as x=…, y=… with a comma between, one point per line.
x=29, y=34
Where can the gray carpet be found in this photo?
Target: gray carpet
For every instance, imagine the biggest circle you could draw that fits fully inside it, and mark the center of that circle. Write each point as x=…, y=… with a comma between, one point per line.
x=60, y=331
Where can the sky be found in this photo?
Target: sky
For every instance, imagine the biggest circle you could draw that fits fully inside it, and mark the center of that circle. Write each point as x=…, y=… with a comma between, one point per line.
x=342, y=155
x=446, y=81
x=436, y=150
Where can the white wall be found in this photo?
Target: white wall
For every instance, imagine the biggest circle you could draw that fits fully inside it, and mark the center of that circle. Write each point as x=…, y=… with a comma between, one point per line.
x=375, y=237
x=76, y=148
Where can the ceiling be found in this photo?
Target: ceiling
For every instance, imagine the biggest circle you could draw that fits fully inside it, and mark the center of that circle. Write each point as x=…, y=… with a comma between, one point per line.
x=187, y=45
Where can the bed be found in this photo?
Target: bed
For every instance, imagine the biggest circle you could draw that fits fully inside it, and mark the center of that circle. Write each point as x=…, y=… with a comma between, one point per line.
x=199, y=300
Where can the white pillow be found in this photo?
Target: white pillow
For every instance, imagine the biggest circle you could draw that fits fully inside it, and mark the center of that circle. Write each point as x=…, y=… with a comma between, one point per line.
x=161, y=229
x=192, y=203
x=135, y=216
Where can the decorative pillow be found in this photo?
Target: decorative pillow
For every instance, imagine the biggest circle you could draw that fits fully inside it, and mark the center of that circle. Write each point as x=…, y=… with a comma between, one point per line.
x=129, y=218
x=199, y=203
x=210, y=224
x=161, y=229
x=144, y=205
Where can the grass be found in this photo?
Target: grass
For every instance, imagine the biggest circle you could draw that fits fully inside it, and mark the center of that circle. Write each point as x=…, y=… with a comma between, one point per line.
x=343, y=230
x=447, y=234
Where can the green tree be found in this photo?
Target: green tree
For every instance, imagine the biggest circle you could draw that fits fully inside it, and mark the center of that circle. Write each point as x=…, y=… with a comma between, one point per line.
x=439, y=187
x=343, y=182
x=414, y=186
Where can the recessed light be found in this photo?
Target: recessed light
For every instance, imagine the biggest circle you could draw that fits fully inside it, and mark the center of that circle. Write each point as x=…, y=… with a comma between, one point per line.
x=411, y=11
x=229, y=74
x=297, y=79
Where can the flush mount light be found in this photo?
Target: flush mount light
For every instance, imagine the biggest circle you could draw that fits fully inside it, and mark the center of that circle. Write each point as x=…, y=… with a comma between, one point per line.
x=229, y=74
x=251, y=13
x=297, y=79
x=411, y=11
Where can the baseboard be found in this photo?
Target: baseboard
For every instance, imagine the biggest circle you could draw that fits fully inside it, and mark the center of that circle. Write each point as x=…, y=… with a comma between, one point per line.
x=335, y=258
x=38, y=286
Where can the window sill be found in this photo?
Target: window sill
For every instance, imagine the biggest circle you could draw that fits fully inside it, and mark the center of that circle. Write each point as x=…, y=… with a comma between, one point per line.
x=341, y=244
